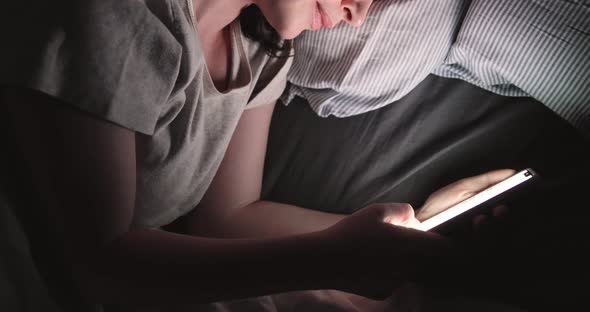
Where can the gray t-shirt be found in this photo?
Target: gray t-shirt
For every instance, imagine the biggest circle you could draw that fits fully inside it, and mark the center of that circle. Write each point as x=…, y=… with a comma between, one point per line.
x=139, y=64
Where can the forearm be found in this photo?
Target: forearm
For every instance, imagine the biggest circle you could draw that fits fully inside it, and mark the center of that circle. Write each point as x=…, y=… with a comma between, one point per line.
x=262, y=219
x=158, y=266
x=231, y=207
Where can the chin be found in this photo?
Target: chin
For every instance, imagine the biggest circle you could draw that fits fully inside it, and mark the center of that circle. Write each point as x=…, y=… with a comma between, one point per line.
x=289, y=34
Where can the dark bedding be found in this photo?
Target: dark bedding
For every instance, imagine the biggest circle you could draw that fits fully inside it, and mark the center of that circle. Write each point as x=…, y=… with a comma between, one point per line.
x=445, y=129
x=442, y=131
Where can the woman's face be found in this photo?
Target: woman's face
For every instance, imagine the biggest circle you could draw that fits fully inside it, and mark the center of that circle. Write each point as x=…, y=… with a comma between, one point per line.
x=291, y=17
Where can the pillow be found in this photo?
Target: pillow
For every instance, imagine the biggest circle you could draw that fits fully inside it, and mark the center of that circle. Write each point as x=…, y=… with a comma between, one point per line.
x=346, y=71
x=536, y=48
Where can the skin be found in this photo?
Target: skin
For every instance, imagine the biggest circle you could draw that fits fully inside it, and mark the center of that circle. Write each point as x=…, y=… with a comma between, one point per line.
x=288, y=17
x=280, y=13
x=84, y=170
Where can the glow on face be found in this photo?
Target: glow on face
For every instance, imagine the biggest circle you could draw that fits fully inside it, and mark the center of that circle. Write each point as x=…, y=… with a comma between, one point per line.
x=291, y=17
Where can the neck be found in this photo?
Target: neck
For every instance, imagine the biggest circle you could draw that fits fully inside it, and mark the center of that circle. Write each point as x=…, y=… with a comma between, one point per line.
x=215, y=15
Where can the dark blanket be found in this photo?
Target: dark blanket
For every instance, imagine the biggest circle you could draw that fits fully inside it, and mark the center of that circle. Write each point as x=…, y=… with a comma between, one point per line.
x=442, y=131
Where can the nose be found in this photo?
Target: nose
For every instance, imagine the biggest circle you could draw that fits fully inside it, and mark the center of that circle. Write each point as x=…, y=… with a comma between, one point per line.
x=355, y=11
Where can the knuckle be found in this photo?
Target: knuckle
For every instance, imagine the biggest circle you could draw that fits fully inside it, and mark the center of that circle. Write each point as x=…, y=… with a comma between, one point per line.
x=407, y=207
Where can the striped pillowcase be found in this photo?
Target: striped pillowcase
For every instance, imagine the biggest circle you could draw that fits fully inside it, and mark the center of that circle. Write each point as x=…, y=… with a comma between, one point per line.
x=346, y=71
x=536, y=48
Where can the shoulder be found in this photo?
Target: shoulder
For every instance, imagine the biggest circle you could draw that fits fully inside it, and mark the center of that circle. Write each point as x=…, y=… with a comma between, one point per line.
x=119, y=59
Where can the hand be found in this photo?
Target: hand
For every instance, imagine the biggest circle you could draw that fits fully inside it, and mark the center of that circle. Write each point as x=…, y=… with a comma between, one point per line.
x=377, y=251
x=463, y=189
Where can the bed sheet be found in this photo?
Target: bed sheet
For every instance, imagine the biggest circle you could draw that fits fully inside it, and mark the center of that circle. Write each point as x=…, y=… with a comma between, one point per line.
x=24, y=289
x=440, y=132
x=445, y=130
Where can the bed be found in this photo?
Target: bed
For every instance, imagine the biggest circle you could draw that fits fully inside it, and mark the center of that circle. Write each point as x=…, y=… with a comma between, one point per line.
x=319, y=172
x=506, y=85
x=430, y=138
x=442, y=121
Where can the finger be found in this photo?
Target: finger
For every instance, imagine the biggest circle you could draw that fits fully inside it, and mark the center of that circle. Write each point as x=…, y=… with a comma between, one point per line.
x=485, y=180
x=482, y=230
x=500, y=211
x=397, y=213
x=479, y=221
x=413, y=223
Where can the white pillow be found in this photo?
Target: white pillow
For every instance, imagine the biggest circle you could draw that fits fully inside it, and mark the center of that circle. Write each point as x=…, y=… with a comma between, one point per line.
x=346, y=71
x=537, y=48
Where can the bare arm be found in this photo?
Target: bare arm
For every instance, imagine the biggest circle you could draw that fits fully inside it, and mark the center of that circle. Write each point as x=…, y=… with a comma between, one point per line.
x=232, y=206
x=85, y=170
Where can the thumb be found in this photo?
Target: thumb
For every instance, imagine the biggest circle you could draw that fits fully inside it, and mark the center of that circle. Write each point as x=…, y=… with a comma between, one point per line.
x=397, y=213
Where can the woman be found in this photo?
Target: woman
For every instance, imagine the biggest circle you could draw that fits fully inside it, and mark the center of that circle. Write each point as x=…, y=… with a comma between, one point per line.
x=140, y=116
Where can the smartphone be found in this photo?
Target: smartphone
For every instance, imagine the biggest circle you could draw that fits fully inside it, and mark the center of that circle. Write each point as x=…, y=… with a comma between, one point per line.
x=480, y=199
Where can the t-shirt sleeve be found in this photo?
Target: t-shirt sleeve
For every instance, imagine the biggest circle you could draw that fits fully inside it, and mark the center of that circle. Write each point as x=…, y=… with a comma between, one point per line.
x=111, y=58
x=271, y=83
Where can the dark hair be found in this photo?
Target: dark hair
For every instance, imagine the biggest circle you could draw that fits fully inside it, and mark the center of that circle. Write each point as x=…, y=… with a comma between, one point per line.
x=256, y=27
